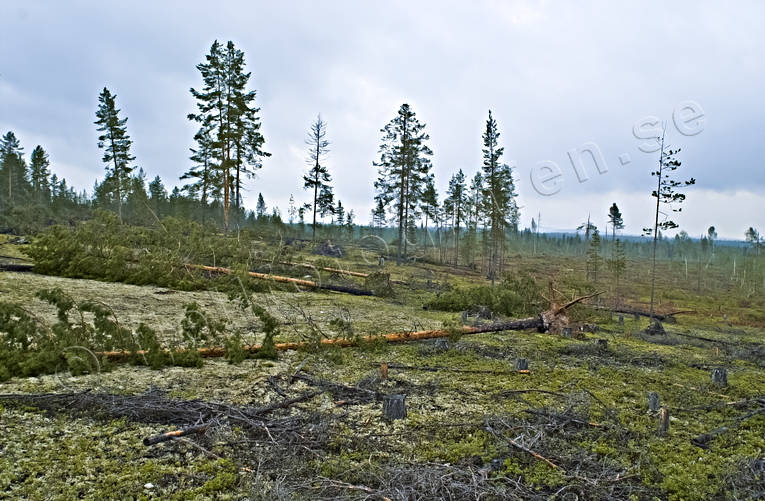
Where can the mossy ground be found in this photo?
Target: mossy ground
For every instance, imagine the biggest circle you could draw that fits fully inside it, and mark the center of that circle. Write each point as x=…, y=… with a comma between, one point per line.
x=454, y=418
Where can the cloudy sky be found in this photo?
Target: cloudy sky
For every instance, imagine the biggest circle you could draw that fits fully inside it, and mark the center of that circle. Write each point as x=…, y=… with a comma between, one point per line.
x=557, y=75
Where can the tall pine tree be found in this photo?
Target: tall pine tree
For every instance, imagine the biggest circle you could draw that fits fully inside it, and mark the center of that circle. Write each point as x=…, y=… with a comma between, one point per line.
x=455, y=205
x=317, y=178
x=116, y=144
x=403, y=170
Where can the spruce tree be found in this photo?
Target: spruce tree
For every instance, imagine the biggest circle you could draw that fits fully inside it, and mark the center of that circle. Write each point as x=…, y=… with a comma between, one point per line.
x=617, y=264
x=39, y=174
x=116, y=144
x=403, y=170
x=593, y=256
x=318, y=178
x=260, y=208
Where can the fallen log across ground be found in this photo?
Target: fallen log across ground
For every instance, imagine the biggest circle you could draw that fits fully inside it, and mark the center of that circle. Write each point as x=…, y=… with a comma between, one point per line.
x=287, y=280
x=554, y=320
x=630, y=311
x=310, y=266
x=16, y=267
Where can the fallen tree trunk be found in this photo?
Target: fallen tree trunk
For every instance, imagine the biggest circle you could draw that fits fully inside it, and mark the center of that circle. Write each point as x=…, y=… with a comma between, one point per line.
x=322, y=268
x=658, y=316
x=549, y=320
x=16, y=267
x=287, y=280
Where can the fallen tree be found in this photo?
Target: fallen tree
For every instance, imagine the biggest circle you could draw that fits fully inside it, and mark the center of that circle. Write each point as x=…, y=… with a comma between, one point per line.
x=630, y=311
x=287, y=280
x=554, y=320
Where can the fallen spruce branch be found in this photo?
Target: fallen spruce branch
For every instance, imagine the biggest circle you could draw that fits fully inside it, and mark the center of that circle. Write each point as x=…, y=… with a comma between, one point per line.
x=287, y=280
x=704, y=439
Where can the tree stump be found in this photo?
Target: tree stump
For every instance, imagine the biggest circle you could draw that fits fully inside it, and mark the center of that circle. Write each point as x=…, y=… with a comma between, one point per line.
x=636, y=316
x=442, y=344
x=394, y=407
x=663, y=421
x=384, y=370
x=603, y=344
x=567, y=332
x=621, y=320
x=521, y=364
x=720, y=376
x=656, y=328
x=653, y=401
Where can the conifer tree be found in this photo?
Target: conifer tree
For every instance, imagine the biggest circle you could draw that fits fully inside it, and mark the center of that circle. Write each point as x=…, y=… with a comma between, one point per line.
x=616, y=220
x=13, y=171
x=318, y=178
x=403, y=170
x=116, y=144
x=39, y=174
x=593, y=256
x=206, y=171
x=498, y=195
x=260, y=209
x=378, y=214
x=430, y=201
x=617, y=264
x=455, y=205
x=225, y=109
x=666, y=193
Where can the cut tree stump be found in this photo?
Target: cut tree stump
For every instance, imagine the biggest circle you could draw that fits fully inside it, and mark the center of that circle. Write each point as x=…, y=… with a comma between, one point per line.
x=621, y=320
x=384, y=370
x=663, y=421
x=655, y=328
x=654, y=401
x=394, y=407
x=567, y=332
x=442, y=344
x=603, y=344
x=521, y=364
x=720, y=376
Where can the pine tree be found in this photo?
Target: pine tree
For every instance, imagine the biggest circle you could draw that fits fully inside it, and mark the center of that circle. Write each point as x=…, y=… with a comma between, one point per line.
x=378, y=214
x=616, y=220
x=455, y=205
x=475, y=210
x=39, y=174
x=593, y=256
x=430, y=201
x=206, y=168
x=617, y=264
x=318, y=177
x=225, y=110
x=14, y=184
x=666, y=193
x=403, y=170
x=498, y=195
x=116, y=143
x=340, y=213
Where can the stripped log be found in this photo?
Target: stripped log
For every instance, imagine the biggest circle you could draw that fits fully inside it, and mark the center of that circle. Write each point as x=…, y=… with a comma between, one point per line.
x=287, y=280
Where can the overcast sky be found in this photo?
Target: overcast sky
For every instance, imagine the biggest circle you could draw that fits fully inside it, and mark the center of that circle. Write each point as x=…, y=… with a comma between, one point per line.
x=556, y=75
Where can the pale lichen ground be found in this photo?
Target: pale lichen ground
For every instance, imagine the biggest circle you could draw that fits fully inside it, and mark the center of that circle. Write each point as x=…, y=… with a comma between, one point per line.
x=45, y=457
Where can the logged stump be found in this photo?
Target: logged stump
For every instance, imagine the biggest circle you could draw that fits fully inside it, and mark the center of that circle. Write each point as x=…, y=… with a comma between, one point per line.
x=621, y=319
x=603, y=344
x=394, y=407
x=567, y=332
x=656, y=328
x=653, y=401
x=720, y=376
x=521, y=364
x=441, y=344
x=384, y=370
x=663, y=421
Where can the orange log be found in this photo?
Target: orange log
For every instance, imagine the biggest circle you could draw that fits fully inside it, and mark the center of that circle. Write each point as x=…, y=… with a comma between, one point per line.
x=395, y=337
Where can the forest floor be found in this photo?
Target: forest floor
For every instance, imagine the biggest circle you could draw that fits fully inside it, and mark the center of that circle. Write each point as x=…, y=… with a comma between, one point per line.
x=576, y=426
